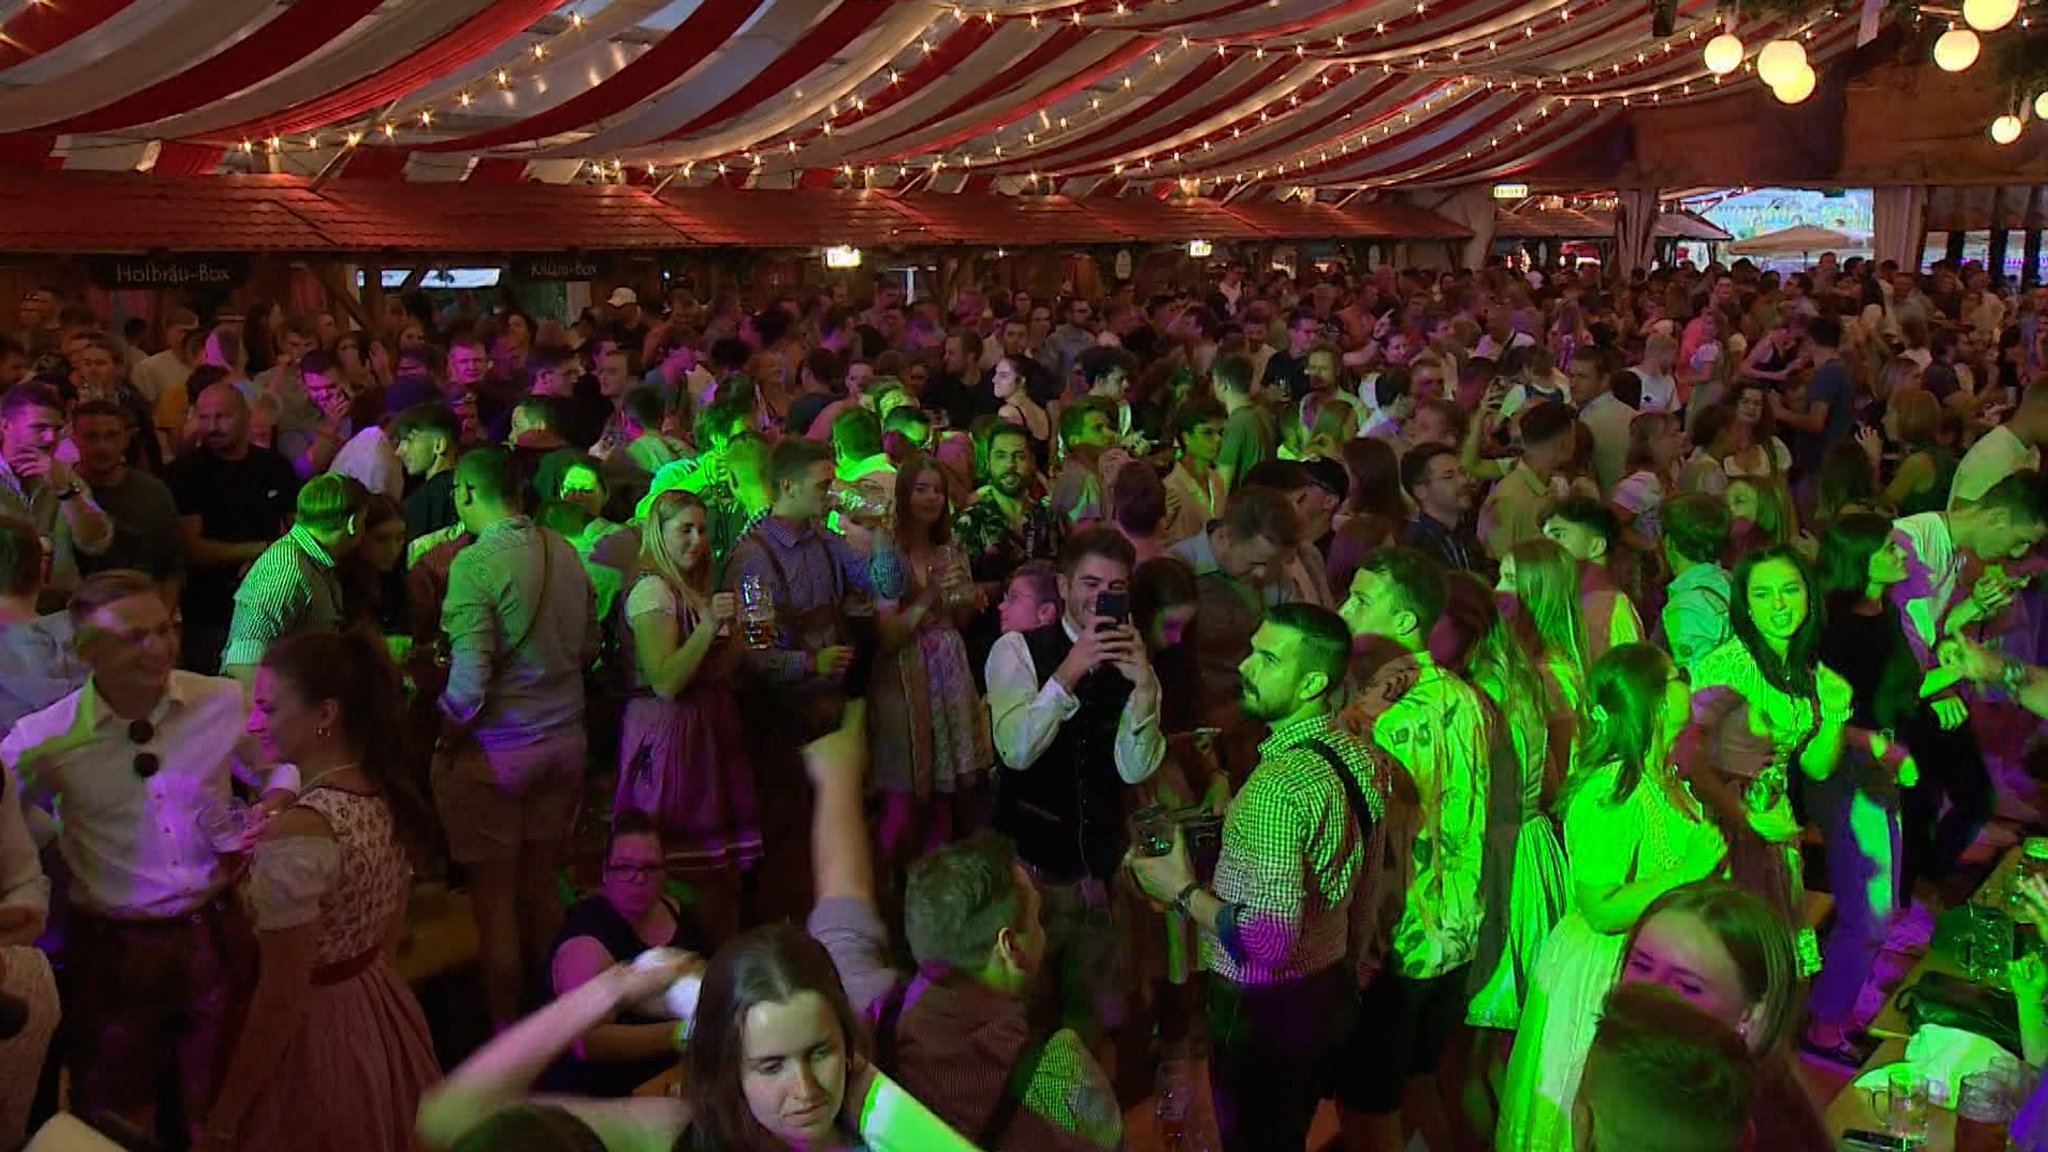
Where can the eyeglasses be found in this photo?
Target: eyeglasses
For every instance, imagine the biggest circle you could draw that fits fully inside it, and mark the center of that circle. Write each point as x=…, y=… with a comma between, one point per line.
x=146, y=763
x=634, y=871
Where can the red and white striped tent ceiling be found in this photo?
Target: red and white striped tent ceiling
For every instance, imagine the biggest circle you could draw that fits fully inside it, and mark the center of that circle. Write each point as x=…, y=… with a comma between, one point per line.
x=1073, y=96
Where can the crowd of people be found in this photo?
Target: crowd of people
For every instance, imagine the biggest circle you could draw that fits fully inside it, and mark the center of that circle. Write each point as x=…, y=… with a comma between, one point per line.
x=1409, y=689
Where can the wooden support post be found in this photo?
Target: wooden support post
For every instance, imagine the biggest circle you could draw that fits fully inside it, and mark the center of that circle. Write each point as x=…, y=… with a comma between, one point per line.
x=340, y=292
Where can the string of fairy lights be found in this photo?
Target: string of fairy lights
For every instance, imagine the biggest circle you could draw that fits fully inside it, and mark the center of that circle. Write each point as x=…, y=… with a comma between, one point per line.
x=1494, y=52
x=1011, y=145
x=411, y=120
x=1602, y=73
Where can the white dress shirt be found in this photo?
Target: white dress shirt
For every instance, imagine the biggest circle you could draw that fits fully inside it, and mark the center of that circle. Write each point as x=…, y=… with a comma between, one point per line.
x=134, y=846
x=370, y=458
x=1996, y=455
x=1027, y=715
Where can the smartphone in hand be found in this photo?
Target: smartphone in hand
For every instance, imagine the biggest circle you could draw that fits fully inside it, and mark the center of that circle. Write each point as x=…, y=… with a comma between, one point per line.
x=1115, y=607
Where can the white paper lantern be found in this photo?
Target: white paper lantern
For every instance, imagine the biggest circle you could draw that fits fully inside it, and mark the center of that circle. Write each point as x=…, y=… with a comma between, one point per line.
x=1779, y=61
x=1724, y=54
x=1797, y=87
x=2006, y=129
x=1989, y=15
x=1956, y=50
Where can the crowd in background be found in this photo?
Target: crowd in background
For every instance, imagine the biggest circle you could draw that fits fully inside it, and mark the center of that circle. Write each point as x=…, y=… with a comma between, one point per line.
x=1340, y=682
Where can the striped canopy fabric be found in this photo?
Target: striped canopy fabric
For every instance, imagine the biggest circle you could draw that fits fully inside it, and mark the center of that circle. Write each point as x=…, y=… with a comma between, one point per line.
x=1224, y=98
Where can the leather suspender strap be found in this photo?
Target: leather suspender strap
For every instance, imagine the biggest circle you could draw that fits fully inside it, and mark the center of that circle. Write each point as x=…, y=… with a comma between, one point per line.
x=1361, y=809
x=1023, y=1070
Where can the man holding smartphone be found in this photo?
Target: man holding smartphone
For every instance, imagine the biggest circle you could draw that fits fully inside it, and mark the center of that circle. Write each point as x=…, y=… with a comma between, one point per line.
x=1075, y=711
x=37, y=486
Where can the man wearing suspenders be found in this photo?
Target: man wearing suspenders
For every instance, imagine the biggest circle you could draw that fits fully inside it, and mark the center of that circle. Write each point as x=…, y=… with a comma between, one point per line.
x=1276, y=922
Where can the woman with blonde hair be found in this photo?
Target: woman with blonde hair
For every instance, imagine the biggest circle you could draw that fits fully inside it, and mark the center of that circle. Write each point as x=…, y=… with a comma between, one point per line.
x=1898, y=374
x=1542, y=580
x=682, y=757
x=1912, y=421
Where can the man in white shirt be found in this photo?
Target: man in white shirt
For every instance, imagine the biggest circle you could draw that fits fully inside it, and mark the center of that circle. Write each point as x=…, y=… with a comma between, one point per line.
x=2014, y=446
x=1607, y=405
x=170, y=367
x=2003, y=525
x=1075, y=712
x=140, y=759
x=1501, y=335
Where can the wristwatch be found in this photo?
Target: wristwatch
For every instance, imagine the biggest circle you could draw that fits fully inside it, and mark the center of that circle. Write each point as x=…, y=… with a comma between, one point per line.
x=1180, y=902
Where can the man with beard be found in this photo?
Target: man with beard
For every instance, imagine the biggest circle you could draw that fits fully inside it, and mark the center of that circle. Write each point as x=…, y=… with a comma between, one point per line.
x=234, y=498
x=1442, y=526
x=1008, y=525
x=956, y=389
x=1276, y=922
x=1287, y=371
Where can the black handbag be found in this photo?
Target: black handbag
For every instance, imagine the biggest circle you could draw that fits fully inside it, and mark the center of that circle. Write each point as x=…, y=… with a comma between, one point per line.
x=1953, y=1002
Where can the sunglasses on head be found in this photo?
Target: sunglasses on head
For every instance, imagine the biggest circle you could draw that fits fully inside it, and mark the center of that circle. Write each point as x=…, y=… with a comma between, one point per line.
x=146, y=763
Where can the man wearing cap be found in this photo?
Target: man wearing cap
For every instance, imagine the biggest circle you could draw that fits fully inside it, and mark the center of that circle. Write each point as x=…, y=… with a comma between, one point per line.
x=170, y=367
x=628, y=323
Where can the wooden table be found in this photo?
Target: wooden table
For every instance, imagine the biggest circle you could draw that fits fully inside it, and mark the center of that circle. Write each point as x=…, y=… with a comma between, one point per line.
x=1851, y=1107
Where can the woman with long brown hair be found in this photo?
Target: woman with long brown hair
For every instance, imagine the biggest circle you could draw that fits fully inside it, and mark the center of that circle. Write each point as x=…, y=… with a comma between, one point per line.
x=682, y=757
x=334, y=1052
x=928, y=732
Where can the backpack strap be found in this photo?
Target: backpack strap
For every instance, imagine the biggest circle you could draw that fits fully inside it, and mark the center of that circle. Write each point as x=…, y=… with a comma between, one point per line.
x=1023, y=1070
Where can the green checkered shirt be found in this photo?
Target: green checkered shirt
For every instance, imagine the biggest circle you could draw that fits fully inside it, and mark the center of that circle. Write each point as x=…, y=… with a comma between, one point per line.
x=1292, y=857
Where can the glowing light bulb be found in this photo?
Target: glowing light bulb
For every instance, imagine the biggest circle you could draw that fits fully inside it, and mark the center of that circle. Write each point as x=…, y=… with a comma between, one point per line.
x=1723, y=54
x=1797, y=87
x=1989, y=15
x=1956, y=50
x=2006, y=129
x=1780, y=61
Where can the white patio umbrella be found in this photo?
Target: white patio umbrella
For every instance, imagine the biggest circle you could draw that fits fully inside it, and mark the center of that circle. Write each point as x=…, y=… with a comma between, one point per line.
x=1800, y=239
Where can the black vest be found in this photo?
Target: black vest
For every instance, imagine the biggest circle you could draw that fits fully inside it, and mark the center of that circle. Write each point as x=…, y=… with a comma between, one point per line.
x=1066, y=810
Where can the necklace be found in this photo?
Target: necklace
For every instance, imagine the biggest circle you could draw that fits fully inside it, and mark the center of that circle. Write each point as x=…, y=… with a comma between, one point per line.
x=306, y=786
